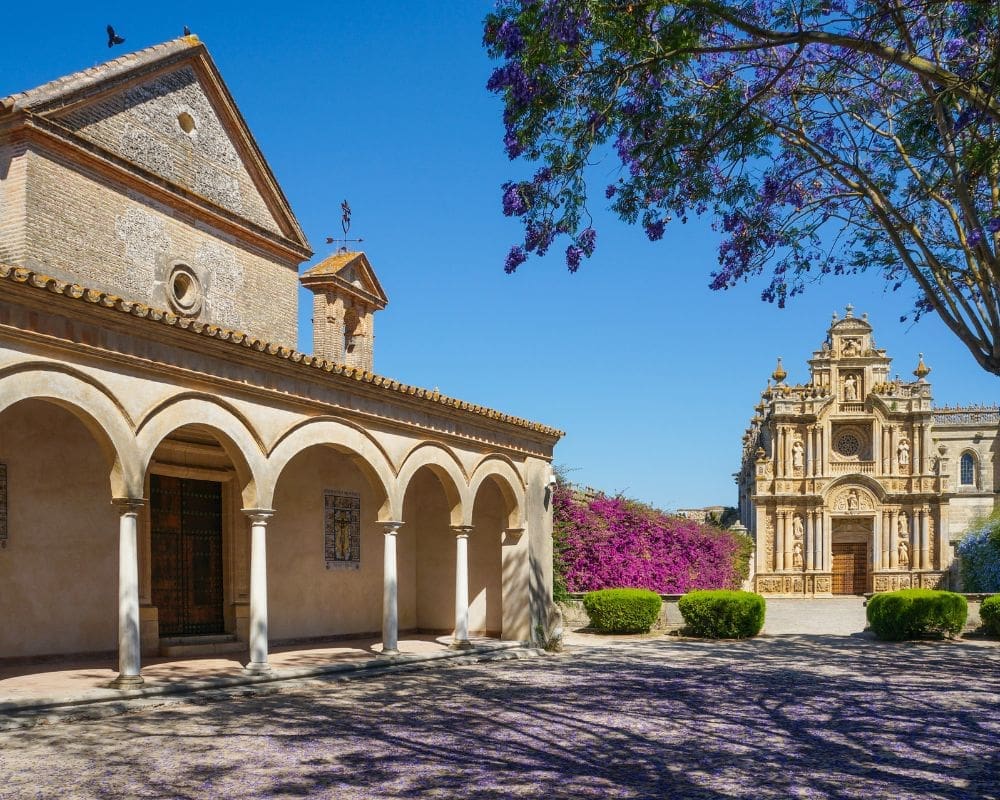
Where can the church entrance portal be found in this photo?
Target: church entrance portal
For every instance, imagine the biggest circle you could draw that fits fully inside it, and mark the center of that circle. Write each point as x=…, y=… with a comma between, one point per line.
x=850, y=567
x=186, y=549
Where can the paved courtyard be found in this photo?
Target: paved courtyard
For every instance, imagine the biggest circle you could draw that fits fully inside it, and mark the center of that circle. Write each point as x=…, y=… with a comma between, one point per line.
x=777, y=717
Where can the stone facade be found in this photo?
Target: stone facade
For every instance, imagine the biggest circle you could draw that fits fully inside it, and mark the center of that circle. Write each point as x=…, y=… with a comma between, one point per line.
x=116, y=177
x=854, y=482
x=168, y=456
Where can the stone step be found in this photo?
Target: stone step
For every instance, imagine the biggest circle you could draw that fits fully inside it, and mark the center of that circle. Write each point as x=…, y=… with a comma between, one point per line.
x=190, y=646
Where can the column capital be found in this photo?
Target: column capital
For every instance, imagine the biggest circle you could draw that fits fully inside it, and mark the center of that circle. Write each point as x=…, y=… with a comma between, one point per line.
x=461, y=530
x=259, y=515
x=514, y=533
x=391, y=526
x=128, y=505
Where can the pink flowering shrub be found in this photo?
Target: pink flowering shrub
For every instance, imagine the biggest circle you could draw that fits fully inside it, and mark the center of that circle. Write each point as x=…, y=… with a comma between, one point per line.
x=613, y=542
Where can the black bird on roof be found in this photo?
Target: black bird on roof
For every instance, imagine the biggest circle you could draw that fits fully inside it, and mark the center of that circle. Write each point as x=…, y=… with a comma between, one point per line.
x=114, y=38
x=187, y=31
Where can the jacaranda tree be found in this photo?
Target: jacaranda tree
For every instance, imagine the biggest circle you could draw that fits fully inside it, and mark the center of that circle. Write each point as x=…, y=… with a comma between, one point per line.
x=823, y=136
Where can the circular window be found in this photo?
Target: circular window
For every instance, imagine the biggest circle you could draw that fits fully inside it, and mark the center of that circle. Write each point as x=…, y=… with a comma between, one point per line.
x=186, y=121
x=184, y=290
x=848, y=445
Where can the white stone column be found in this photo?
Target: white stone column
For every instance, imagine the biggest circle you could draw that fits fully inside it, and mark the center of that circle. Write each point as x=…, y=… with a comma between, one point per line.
x=893, y=455
x=825, y=538
x=893, y=540
x=129, y=641
x=927, y=451
x=810, y=543
x=916, y=525
x=917, y=452
x=461, y=586
x=925, y=550
x=887, y=530
x=390, y=591
x=809, y=451
x=258, y=589
x=877, y=532
x=779, y=545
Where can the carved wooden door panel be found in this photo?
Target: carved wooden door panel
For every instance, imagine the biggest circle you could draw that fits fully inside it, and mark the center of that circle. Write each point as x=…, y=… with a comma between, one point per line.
x=850, y=567
x=186, y=545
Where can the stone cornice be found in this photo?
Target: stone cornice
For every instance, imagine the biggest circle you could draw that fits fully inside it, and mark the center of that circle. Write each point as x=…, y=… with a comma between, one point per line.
x=240, y=346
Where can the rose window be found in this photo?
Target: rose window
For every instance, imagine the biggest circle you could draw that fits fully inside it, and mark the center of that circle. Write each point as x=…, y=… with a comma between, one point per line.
x=848, y=445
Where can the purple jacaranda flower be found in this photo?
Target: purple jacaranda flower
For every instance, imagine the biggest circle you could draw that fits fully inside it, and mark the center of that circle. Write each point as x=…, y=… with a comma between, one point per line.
x=514, y=204
x=573, y=254
x=515, y=258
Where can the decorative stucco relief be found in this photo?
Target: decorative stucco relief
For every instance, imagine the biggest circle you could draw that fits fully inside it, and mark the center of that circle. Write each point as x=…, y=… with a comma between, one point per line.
x=144, y=238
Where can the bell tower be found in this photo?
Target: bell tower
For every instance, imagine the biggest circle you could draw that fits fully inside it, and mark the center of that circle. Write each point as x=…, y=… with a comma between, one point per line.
x=346, y=295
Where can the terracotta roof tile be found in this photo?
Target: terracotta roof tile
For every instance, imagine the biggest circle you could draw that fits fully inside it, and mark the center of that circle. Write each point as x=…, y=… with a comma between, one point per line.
x=25, y=277
x=52, y=90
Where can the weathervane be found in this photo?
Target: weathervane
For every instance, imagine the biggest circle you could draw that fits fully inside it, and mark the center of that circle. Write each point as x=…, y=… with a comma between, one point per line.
x=345, y=223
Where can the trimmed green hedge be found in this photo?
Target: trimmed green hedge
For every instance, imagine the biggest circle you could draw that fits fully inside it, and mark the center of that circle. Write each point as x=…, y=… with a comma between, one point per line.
x=912, y=613
x=722, y=614
x=622, y=610
x=989, y=613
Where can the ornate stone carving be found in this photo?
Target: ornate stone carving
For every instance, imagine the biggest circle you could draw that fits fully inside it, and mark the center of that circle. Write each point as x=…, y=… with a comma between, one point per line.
x=853, y=499
x=903, y=453
x=824, y=583
x=798, y=454
x=904, y=553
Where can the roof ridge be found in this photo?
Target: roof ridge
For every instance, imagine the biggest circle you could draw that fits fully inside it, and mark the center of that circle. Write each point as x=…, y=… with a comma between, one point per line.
x=74, y=291
x=98, y=72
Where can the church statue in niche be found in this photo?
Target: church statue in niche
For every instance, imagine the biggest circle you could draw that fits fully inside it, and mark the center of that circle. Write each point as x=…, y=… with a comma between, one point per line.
x=798, y=455
x=903, y=453
x=853, y=500
x=904, y=553
x=850, y=388
x=903, y=526
x=797, y=555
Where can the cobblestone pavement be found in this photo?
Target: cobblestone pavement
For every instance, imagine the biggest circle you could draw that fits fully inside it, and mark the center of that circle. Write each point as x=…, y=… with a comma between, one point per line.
x=776, y=717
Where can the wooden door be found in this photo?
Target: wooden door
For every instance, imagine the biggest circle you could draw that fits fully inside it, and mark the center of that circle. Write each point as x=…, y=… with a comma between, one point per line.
x=850, y=567
x=186, y=545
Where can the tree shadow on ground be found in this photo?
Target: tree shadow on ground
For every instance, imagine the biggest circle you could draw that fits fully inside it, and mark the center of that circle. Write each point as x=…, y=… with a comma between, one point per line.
x=777, y=717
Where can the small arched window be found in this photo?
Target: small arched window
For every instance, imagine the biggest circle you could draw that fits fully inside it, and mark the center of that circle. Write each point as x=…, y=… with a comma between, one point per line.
x=968, y=470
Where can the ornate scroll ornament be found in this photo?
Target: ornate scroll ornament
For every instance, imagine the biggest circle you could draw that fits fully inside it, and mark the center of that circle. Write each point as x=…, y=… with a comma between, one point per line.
x=852, y=500
x=341, y=529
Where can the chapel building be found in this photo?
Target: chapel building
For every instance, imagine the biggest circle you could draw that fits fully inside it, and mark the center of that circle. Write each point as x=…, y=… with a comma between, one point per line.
x=853, y=482
x=175, y=477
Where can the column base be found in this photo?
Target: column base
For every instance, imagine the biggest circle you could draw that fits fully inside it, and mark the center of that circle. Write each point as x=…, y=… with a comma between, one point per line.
x=388, y=653
x=127, y=682
x=461, y=644
x=258, y=669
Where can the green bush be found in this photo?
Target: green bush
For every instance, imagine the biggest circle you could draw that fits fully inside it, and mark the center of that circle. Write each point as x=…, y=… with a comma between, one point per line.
x=622, y=610
x=722, y=614
x=989, y=613
x=912, y=613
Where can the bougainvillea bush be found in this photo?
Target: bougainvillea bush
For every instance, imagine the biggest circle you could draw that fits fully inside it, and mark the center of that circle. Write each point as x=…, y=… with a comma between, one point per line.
x=980, y=554
x=610, y=542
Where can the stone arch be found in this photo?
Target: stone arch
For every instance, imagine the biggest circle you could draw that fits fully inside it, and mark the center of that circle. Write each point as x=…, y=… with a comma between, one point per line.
x=445, y=466
x=366, y=453
x=870, y=494
x=90, y=402
x=234, y=433
x=501, y=471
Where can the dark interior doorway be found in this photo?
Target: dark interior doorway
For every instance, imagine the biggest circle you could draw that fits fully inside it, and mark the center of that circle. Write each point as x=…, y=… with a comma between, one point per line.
x=186, y=547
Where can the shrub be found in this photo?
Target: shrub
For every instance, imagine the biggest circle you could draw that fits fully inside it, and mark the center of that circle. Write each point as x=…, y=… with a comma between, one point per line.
x=989, y=613
x=622, y=610
x=979, y=552
x=911, y=613
x=723, y=614
x=604, y=542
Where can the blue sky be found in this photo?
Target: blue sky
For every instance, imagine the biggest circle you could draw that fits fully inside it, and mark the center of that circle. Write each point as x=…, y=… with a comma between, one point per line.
x=652, y=375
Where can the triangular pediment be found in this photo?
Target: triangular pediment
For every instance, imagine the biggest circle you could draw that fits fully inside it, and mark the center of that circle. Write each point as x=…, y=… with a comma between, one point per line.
x=350, y=272
x=167, y=112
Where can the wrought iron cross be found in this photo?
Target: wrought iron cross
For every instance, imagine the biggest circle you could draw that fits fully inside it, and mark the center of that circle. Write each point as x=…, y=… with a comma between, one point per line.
x=345, y=223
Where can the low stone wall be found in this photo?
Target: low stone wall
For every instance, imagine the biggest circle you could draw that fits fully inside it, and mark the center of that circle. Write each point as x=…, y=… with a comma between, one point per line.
x=575, y=618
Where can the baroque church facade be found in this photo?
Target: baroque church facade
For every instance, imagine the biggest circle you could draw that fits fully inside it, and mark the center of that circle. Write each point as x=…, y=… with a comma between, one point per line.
x=173, y=472
x=854, y=482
